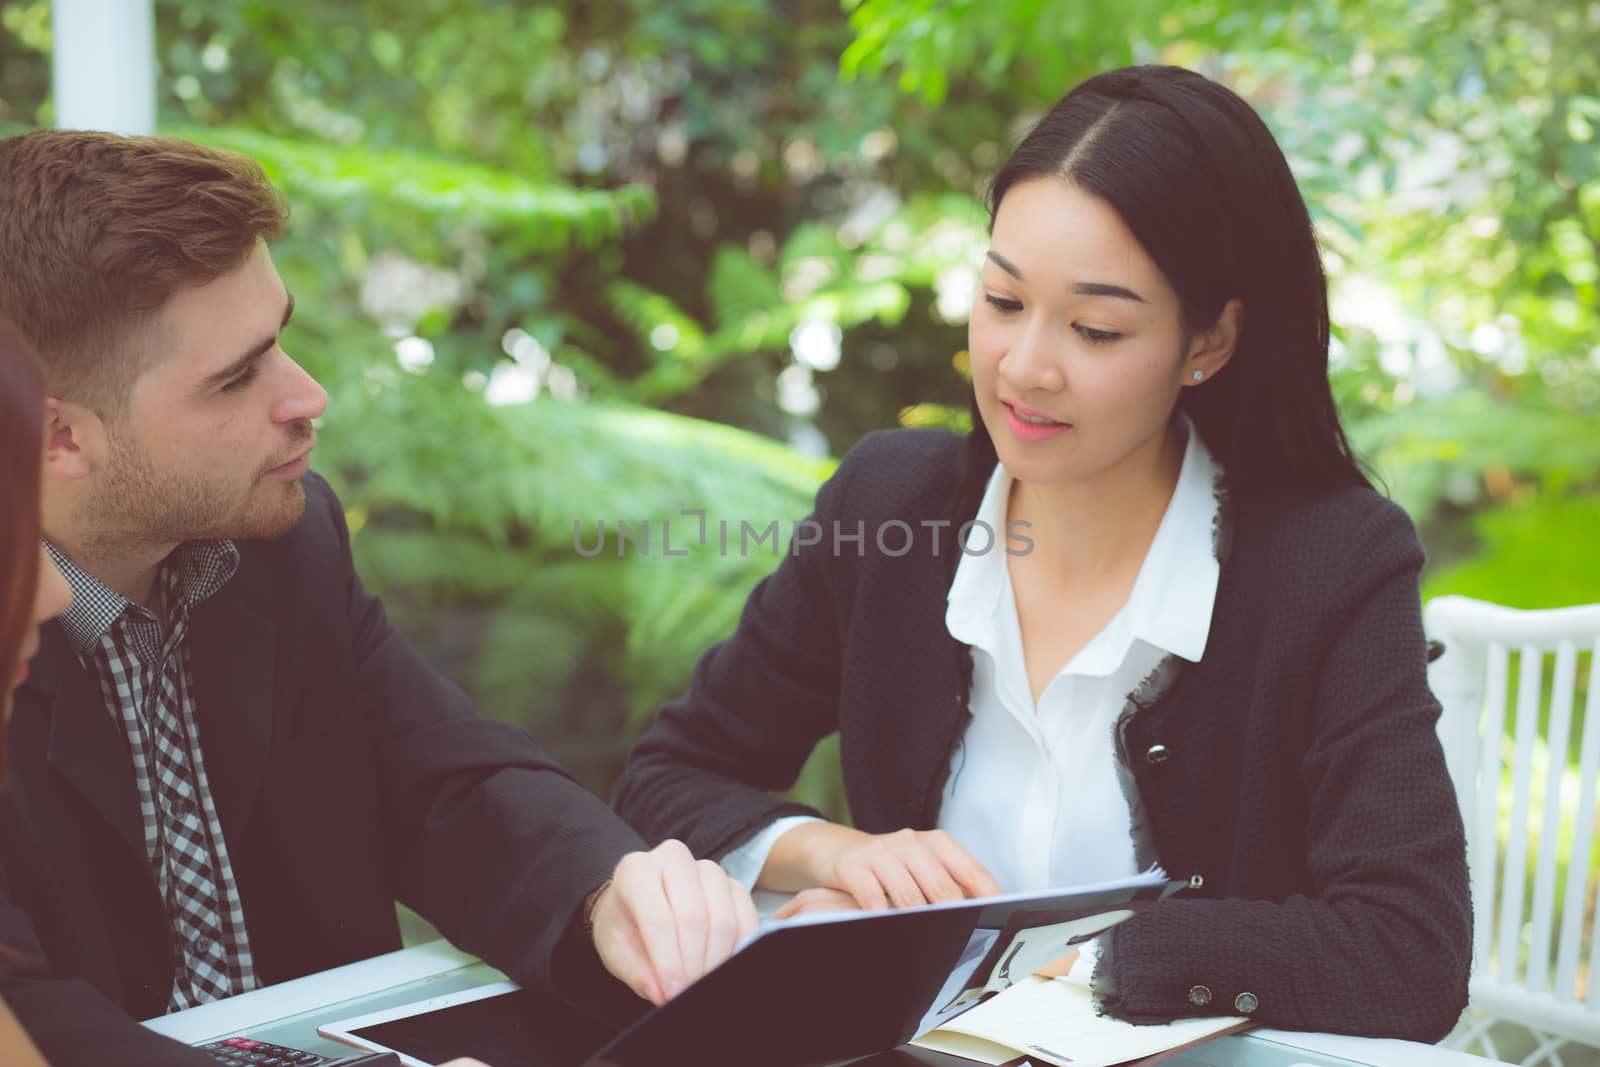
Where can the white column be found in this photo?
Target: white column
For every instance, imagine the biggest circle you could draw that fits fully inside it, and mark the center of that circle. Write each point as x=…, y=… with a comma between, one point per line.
x=104, y=62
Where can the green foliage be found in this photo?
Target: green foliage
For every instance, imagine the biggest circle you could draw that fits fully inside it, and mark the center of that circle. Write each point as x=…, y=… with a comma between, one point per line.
x=1437, y=452
x=1537, y=553
x=817, y=279
x=404, y=188
x=938, y=417
x=1044, y=46
x=525, y=487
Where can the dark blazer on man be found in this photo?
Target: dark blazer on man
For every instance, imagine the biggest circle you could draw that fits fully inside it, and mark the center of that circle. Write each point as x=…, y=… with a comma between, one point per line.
x=1293, y=773
x=346, y=774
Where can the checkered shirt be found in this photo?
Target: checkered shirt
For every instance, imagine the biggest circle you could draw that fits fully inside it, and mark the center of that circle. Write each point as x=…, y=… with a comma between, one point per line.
x=141, y=661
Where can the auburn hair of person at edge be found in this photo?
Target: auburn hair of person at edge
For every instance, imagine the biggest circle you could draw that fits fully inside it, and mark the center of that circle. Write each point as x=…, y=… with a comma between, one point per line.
x=21, y=466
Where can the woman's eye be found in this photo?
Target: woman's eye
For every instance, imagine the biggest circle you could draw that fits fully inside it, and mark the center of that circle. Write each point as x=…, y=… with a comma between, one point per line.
x=1095, y=336
x=1001, y=303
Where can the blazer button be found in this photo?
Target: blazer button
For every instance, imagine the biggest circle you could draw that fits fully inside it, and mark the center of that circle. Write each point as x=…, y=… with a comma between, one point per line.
x=1197, y=881
x=1199, y=996
x=1245, y=1003
x=1156, y=754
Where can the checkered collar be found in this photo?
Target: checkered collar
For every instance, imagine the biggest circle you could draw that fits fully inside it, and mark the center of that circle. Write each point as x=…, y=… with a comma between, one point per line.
x=194, y=571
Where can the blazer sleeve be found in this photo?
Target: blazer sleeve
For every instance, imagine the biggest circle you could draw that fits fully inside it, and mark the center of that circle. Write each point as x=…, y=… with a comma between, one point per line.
x=757, y=704
x=72, y=1023
x=488, y=838
x=1382, y=947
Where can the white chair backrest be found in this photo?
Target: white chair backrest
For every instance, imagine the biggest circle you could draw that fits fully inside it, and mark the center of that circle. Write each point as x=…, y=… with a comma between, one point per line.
x=1529, y=797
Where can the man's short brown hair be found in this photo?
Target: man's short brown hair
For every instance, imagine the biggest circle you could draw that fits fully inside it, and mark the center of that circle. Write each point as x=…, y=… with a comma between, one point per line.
x=97, y=231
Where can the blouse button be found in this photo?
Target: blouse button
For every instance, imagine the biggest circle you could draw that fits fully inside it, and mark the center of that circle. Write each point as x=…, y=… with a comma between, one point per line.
x=1156, y=754
x=1199, y=996
x=1245, y=1003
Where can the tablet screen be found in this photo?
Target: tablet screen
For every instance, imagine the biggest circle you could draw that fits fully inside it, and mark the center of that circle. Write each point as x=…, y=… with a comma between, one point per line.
x=512, y=1028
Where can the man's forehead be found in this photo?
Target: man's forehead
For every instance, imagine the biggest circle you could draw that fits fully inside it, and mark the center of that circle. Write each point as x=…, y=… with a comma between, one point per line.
x=201, y=328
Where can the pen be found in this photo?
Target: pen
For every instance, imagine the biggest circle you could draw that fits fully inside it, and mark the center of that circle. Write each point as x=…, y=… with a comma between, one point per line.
x=368, y=1059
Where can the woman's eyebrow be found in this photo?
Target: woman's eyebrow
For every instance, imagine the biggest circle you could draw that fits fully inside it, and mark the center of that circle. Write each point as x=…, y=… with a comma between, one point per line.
x=1106, y=289
x=1079, y=288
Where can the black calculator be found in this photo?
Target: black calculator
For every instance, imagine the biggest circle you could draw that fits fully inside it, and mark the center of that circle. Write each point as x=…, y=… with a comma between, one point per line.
x=248, y=1052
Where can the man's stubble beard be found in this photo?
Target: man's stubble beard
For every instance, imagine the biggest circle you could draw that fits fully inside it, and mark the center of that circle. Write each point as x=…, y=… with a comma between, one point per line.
x=140, y=505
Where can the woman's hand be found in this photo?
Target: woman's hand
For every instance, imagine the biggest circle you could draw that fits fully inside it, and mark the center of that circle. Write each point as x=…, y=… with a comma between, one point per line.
x=896, y=870
x=809, y=900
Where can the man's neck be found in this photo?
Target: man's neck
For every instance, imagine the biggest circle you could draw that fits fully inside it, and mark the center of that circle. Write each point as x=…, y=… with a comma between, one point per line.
x=128, y=570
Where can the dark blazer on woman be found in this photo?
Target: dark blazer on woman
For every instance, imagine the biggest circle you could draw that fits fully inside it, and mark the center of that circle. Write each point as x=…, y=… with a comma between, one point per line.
x=1293, y=774
x=346, y=773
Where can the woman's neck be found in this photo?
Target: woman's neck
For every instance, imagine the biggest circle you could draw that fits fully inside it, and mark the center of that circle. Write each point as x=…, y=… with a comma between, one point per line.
x=1102, y=526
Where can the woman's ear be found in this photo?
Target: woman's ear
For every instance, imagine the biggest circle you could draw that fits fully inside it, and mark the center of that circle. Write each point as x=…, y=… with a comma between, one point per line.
x=1212, y=348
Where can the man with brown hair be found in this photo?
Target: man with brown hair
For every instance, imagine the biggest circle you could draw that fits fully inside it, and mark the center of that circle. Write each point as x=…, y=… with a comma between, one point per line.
x=226, y=765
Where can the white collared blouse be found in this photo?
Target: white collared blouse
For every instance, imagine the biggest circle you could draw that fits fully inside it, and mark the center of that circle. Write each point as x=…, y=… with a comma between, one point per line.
x=1034, y=793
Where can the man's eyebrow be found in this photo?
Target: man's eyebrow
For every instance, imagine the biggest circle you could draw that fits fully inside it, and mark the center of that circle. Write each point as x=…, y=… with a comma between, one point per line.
x=1080, y=288
x=239, y=366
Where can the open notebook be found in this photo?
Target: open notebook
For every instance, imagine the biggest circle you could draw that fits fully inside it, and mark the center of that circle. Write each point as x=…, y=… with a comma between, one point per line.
x=1053, y=1020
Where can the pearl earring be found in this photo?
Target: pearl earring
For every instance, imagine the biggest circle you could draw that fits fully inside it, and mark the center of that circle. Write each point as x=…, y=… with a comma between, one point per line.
x=1199, y=374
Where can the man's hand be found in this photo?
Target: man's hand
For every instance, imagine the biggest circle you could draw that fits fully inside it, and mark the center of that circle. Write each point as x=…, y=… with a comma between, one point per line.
x=666, y=918
x=898, y=870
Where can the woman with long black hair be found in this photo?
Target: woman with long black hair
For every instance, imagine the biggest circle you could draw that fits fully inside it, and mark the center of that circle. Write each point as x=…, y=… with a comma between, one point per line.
x=1150, y=610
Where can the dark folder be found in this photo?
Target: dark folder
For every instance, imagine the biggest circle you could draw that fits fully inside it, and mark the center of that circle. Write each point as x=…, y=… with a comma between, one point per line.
x=823, y=991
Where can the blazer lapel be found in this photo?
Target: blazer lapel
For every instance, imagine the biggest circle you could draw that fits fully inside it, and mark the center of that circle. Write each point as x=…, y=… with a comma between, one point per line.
x=86, y=747
x=231, y=653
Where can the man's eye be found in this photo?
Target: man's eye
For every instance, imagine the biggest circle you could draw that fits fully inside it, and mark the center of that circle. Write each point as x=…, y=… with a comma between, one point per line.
x=241, y=382
x=1001, y=303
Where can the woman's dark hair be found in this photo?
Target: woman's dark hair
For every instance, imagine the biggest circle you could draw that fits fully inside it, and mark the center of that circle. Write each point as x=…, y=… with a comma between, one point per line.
x=1197, y=177
x=21, y=463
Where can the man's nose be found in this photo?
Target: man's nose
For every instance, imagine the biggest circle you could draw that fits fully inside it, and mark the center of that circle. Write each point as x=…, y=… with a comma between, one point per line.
x=303, y=397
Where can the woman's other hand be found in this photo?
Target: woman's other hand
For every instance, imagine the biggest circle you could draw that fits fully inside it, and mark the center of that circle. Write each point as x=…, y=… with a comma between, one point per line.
x=896, y=870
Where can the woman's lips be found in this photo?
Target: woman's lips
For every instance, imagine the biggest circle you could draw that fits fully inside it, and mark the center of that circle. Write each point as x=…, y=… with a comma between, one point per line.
x=1031, y=432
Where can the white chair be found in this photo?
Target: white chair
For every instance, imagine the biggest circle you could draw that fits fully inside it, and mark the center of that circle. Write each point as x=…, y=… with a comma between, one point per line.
x=1533, y=937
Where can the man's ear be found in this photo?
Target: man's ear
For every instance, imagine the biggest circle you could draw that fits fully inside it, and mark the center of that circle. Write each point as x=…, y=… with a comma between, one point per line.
x=75, y=439
x=1210, y=350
